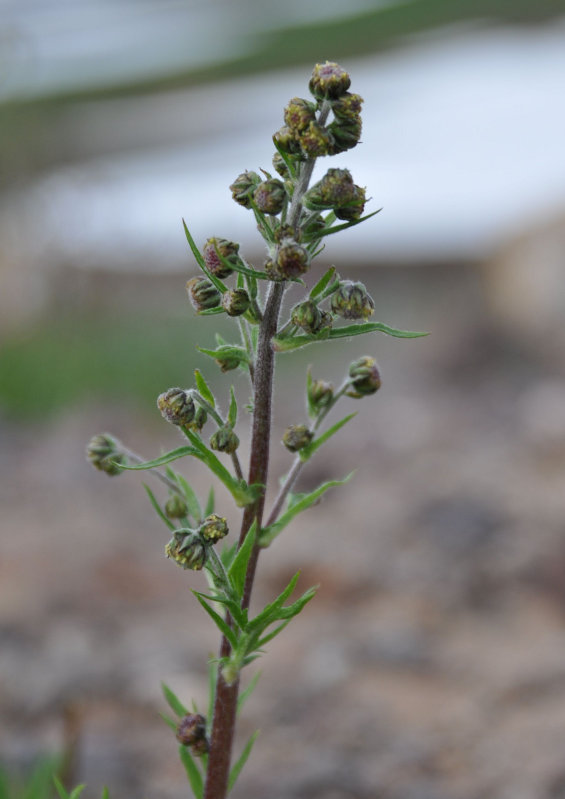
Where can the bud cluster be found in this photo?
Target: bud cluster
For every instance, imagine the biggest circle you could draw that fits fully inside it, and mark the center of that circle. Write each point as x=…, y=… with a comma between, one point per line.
x=189, y=548
x=337, y=191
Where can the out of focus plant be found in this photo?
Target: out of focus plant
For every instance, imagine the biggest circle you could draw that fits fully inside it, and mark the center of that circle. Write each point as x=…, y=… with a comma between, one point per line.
x=294, y=218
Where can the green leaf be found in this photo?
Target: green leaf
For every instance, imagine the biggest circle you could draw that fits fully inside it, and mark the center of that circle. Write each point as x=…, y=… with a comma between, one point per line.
x=157, y=507
x=284, y=344
x=194, y=508
x=270, y=611
x=169, y=722
x=60, y=789
x=288, y=161
x=225, y=352
x=211, y=311
x=76, y=792
x=173, y=701
x=245, y=694
x=268, y=534
x=173, y=455
x=238, y=568
x=232, y=413
x=307, y=451
x=322, y=283
x=327, y=231
x=210, y=503
x=220, y=623
x=203, y=388
x=269, y=637
x=239, y=615
x=105, y=793
x=235, y=771
x=200, y=261
x=192, y=772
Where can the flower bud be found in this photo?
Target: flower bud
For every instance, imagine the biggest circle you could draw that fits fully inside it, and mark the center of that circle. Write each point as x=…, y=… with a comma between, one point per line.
x=315, y=141
x=104, y=454
x=235, y=302
x=320, y=395
x=203, y=294
x=199, y=420
x=285, y=139
x=347, y=107
x=299, y=113
x=345, y=134
x=334, y=190
x=292, y=259
x=186, y=549
x=224, y=440
x=329, y=81
x=192, y=732
x=313, y=225
x=354, y=208
x=352, y=301
x=228, y=357
x=307, y=315
x=280, y=165
x=213, y=528
x=243, y=187
x=296, y=437
x=269, y=196
x=176, y=406
x=175, y=507
x=365, y=377
x=213, y=249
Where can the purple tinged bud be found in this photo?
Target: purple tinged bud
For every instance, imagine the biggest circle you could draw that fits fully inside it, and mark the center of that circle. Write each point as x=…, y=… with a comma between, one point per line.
x=213, y=249
x=243, y=187
x=345, y=135
x=354, y=208
x=296, y=437
x=299, y=113
x=334, y=190
x=224, y=440
x=280, y=165
x=235, y=302
x=316, y=141
x=352, y=301
x=320, y=395
x=285, y=139
x=292, y=259
x=213, y=528
x=176, y=406
x=199, y=420
x=270, y=196
x=192, y=732
x=347, y=107
x=203, y=294
x=329, y=81
x=365, y=377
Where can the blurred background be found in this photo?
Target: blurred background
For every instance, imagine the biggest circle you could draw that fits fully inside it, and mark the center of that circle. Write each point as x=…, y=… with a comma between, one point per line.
x=432, y=663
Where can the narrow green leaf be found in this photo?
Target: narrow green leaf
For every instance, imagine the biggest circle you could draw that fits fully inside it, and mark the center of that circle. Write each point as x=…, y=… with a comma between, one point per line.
x=76, y=792
x=268, y=534
x=226, y=351
x=327, y=231
x=232, y=412
x=238, y=614
x=238, y=568
x=220, y=623
x=105, y=793
x=284, y=344
x=290, y=611
x=246, y=693
x=210, y=503
x=307, y=451
x=173, y=701
x=192, y=772
x=235, y=771
x=169, y=722
x=194, y=508
x=288, y=161
x=173, y=455
x=269, y=637
x=157, y=507
x=212, y=677
x=270, y=611
x=203, y=388
x=60, y=789
x=200, y=261
x=322, y=283
x=211, y=311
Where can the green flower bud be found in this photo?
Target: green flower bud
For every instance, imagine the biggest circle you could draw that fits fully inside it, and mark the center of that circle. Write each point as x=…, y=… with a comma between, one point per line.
x=235, y=302
x=307, y=315
x=365, y=377
x=280, y=165
x=346, y=135
x=299, y=113
x=224, y=440
x=270, y=268
x=199, y=420
x=203, y=294
x=187, y=549
x=329, y=81
x=292, y=259
x=176, y=406
x=213, y=249
x=347, y=107
x=354, y=208
x=352, y=301
x=286, y=140
x=334, y=190
x=283, y=232
x=175, y=507
x=104, y=454
x=315, y=141
x=228, y=357
x=192, y=732
x=213, y=528
x=243, y=187
x=320, y=395
x=296, y=437
x=269, y=196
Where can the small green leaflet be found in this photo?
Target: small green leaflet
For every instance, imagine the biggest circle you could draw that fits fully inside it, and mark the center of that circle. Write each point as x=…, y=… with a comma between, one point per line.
x=268, y=534
x=235, y=770
x=232, y=413
x=322, y=283
x=306, y=452
x=203, y=388
x=283, y=344
x=327, y=231
x=173, y=701
x=192, y=772
x=173, y=455
x=238, y=568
